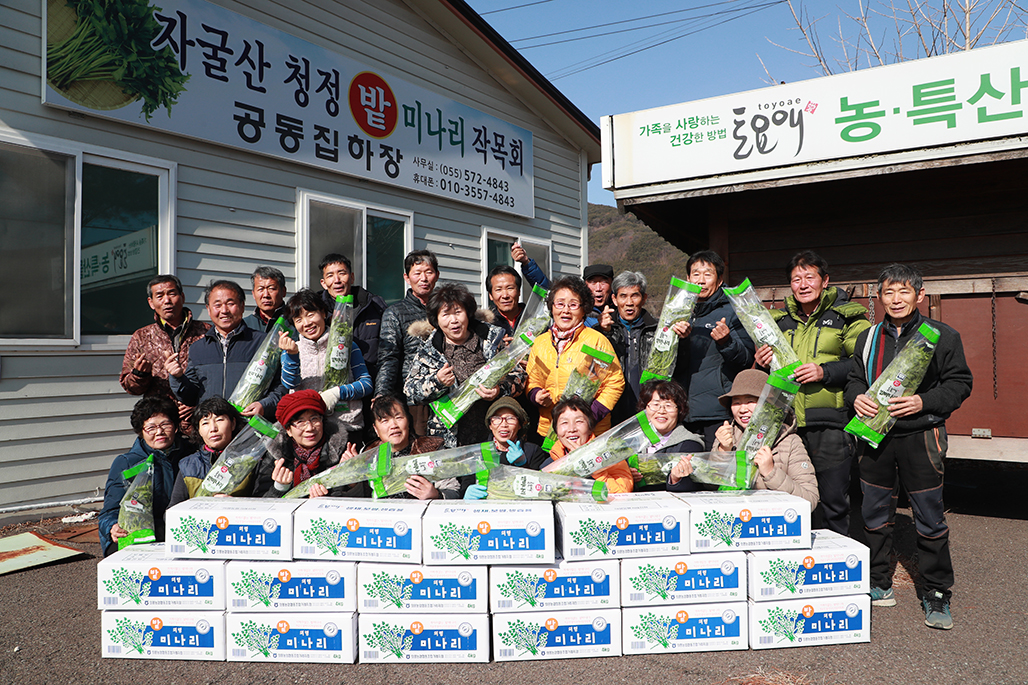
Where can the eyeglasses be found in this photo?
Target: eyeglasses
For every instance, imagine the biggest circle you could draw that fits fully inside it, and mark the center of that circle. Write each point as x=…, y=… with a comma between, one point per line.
x=154, y=428
x=658, y=405
x=308, y=423
x=570, y=306
x=500, y=420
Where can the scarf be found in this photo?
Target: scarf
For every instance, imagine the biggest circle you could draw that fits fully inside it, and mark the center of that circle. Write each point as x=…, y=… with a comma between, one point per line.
x=210, y=455
x=561, y=338
x=304, y=462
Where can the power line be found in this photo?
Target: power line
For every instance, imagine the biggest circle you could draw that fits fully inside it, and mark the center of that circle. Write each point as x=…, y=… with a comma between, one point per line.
x=515, y=7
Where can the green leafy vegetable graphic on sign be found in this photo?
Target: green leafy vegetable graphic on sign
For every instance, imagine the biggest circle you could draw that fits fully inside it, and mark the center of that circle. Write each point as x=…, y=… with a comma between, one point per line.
x=655, y=581
x=462, y=541
x=387, y=637
x=389, y=588
x=527, y=637
x=719, y=527
x=595, y=535
x=195, y=534
x=785, y=624
x=527, y=588
x=331, y=536
x=257, y=638
x=659, y=629
x=787, y=575
x=128, y=585
x=131, y=634
x=257, y=587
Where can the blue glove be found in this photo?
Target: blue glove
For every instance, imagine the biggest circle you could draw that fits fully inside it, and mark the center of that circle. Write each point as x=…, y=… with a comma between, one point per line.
x=475, y=491
x=514, y=452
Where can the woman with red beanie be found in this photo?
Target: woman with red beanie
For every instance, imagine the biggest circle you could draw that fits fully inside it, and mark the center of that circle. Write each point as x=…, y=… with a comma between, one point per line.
x=307, y=445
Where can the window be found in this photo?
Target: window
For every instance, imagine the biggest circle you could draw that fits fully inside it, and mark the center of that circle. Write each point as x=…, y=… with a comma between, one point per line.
x=81, y=234
x=375, y=237
x=496, y=247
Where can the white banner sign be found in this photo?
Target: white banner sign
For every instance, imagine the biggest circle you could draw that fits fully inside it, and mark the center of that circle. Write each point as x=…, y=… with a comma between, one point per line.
x=955, y=98
x=212, y=74
x=130, y=254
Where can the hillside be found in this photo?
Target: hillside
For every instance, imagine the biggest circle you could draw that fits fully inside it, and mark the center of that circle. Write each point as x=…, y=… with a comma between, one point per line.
x=626, y=243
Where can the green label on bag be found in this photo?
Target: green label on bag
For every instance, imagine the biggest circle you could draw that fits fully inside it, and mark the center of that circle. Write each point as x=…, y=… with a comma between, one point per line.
x=647, y=429
x=633, y=461
x=930, y=333
x=739, y=289
x=482, y=478
x=780, y=380
x=378, y=488
x=600, y=493
x=261, y=425
x=139, y=537
x=384, y=460
x=649, y=376
x=548, y=443
x=864, y=432
x=742, y=467
x=539, y=290
x=133, y=471
x=447, y=411
x=596, y=354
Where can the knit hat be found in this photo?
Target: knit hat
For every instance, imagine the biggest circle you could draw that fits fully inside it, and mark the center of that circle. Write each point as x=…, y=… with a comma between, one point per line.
x=748, y=382
x=291, y=405
x=593, y=270
x=507, y=403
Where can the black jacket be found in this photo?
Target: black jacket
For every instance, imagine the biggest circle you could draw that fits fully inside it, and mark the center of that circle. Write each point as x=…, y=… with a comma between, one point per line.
x=947, y=382
x=368, y=309
x=632, y=346
x=397, y=347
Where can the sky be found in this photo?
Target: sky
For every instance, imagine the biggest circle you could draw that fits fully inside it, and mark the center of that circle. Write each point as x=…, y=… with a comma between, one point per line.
x=719, y=57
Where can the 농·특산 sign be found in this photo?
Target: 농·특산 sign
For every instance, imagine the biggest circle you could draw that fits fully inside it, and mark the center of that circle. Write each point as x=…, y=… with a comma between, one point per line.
x=217, y=76
x=956, y=98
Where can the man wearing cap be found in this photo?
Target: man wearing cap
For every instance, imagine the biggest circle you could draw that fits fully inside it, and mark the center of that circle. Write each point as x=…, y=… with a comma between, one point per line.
x=599, y=278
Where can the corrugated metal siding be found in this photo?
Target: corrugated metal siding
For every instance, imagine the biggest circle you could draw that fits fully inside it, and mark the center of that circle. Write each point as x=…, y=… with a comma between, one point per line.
x=63, y=417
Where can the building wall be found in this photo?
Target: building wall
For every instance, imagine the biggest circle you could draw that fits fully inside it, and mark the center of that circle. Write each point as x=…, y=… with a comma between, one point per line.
x=63, y=416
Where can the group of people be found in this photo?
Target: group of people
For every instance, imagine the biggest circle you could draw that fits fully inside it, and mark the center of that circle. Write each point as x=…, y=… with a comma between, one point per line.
x=409, y=354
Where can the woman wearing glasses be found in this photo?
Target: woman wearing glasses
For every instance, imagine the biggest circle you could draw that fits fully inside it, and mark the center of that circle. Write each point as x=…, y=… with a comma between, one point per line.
x=154, y=419
x=307, y=445
x=666, y=406
x=555, y=355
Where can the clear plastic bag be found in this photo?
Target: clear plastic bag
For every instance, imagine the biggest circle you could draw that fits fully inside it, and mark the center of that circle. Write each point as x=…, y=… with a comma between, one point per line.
x=135, y=512
x=369, y=464
x=513, y=482
x=678, y=306
x=535, y=318
x=734, y=470
x=262, y=370
x=340, y=340
x=761, y=328
x=774, y=404
x=434, y=466
x=900, y=378
x=450, y=408
x=628, y=439
x=233, y=470
x=584, y=381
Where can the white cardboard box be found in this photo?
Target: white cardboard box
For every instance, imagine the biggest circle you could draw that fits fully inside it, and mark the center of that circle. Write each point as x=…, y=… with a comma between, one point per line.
x=684, y=579
x=420, y=637
x=557, y=635
x=564, y=585
x=750, y=520
x=359, y=529
x=278, y=586
x=488, y=532
x=810, y=621
x=685, y=628
x=291, y=637
x=834, y=565
x=231, y=528
x=142, y=577
x=401, y=588
x=163, y=634
x=638, y=526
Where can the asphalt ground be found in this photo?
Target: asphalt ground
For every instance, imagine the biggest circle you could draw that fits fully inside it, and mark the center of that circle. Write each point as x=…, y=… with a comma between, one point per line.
x=50, y=627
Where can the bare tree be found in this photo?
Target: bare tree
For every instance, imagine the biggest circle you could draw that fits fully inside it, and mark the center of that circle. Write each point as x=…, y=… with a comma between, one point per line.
x=896, y=30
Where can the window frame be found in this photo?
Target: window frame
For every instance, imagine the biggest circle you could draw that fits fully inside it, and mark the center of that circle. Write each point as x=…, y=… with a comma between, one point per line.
x=489, y=232
x=303, y=261
x=167, y=174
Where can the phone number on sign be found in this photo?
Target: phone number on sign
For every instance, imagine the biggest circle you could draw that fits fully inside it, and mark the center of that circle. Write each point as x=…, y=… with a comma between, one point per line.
x=474, y=177
x=475, y=193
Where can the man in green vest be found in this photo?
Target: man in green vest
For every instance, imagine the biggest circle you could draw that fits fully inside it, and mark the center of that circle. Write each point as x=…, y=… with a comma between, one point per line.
x=822, y=326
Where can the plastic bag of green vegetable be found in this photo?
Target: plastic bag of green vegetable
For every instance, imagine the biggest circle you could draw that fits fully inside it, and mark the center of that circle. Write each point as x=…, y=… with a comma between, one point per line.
x=899, y=379
x=262, y=370
x=773, y=405
x=450, y=408
x=728, y=469
x=135, y=513
x=761, y=328
x=584, y=381
x=231, y=473
x=535, y=318
x=435, y=466
x=514, y=482
x=678, y=306
x=340, y=340
x=628, y=439
x=369, y=464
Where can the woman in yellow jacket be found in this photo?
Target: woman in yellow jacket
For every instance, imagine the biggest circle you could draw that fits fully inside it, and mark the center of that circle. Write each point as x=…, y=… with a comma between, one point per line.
x=555, y=355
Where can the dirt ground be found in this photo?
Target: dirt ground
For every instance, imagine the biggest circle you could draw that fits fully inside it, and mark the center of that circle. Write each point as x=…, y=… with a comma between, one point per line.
x=50, y=627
